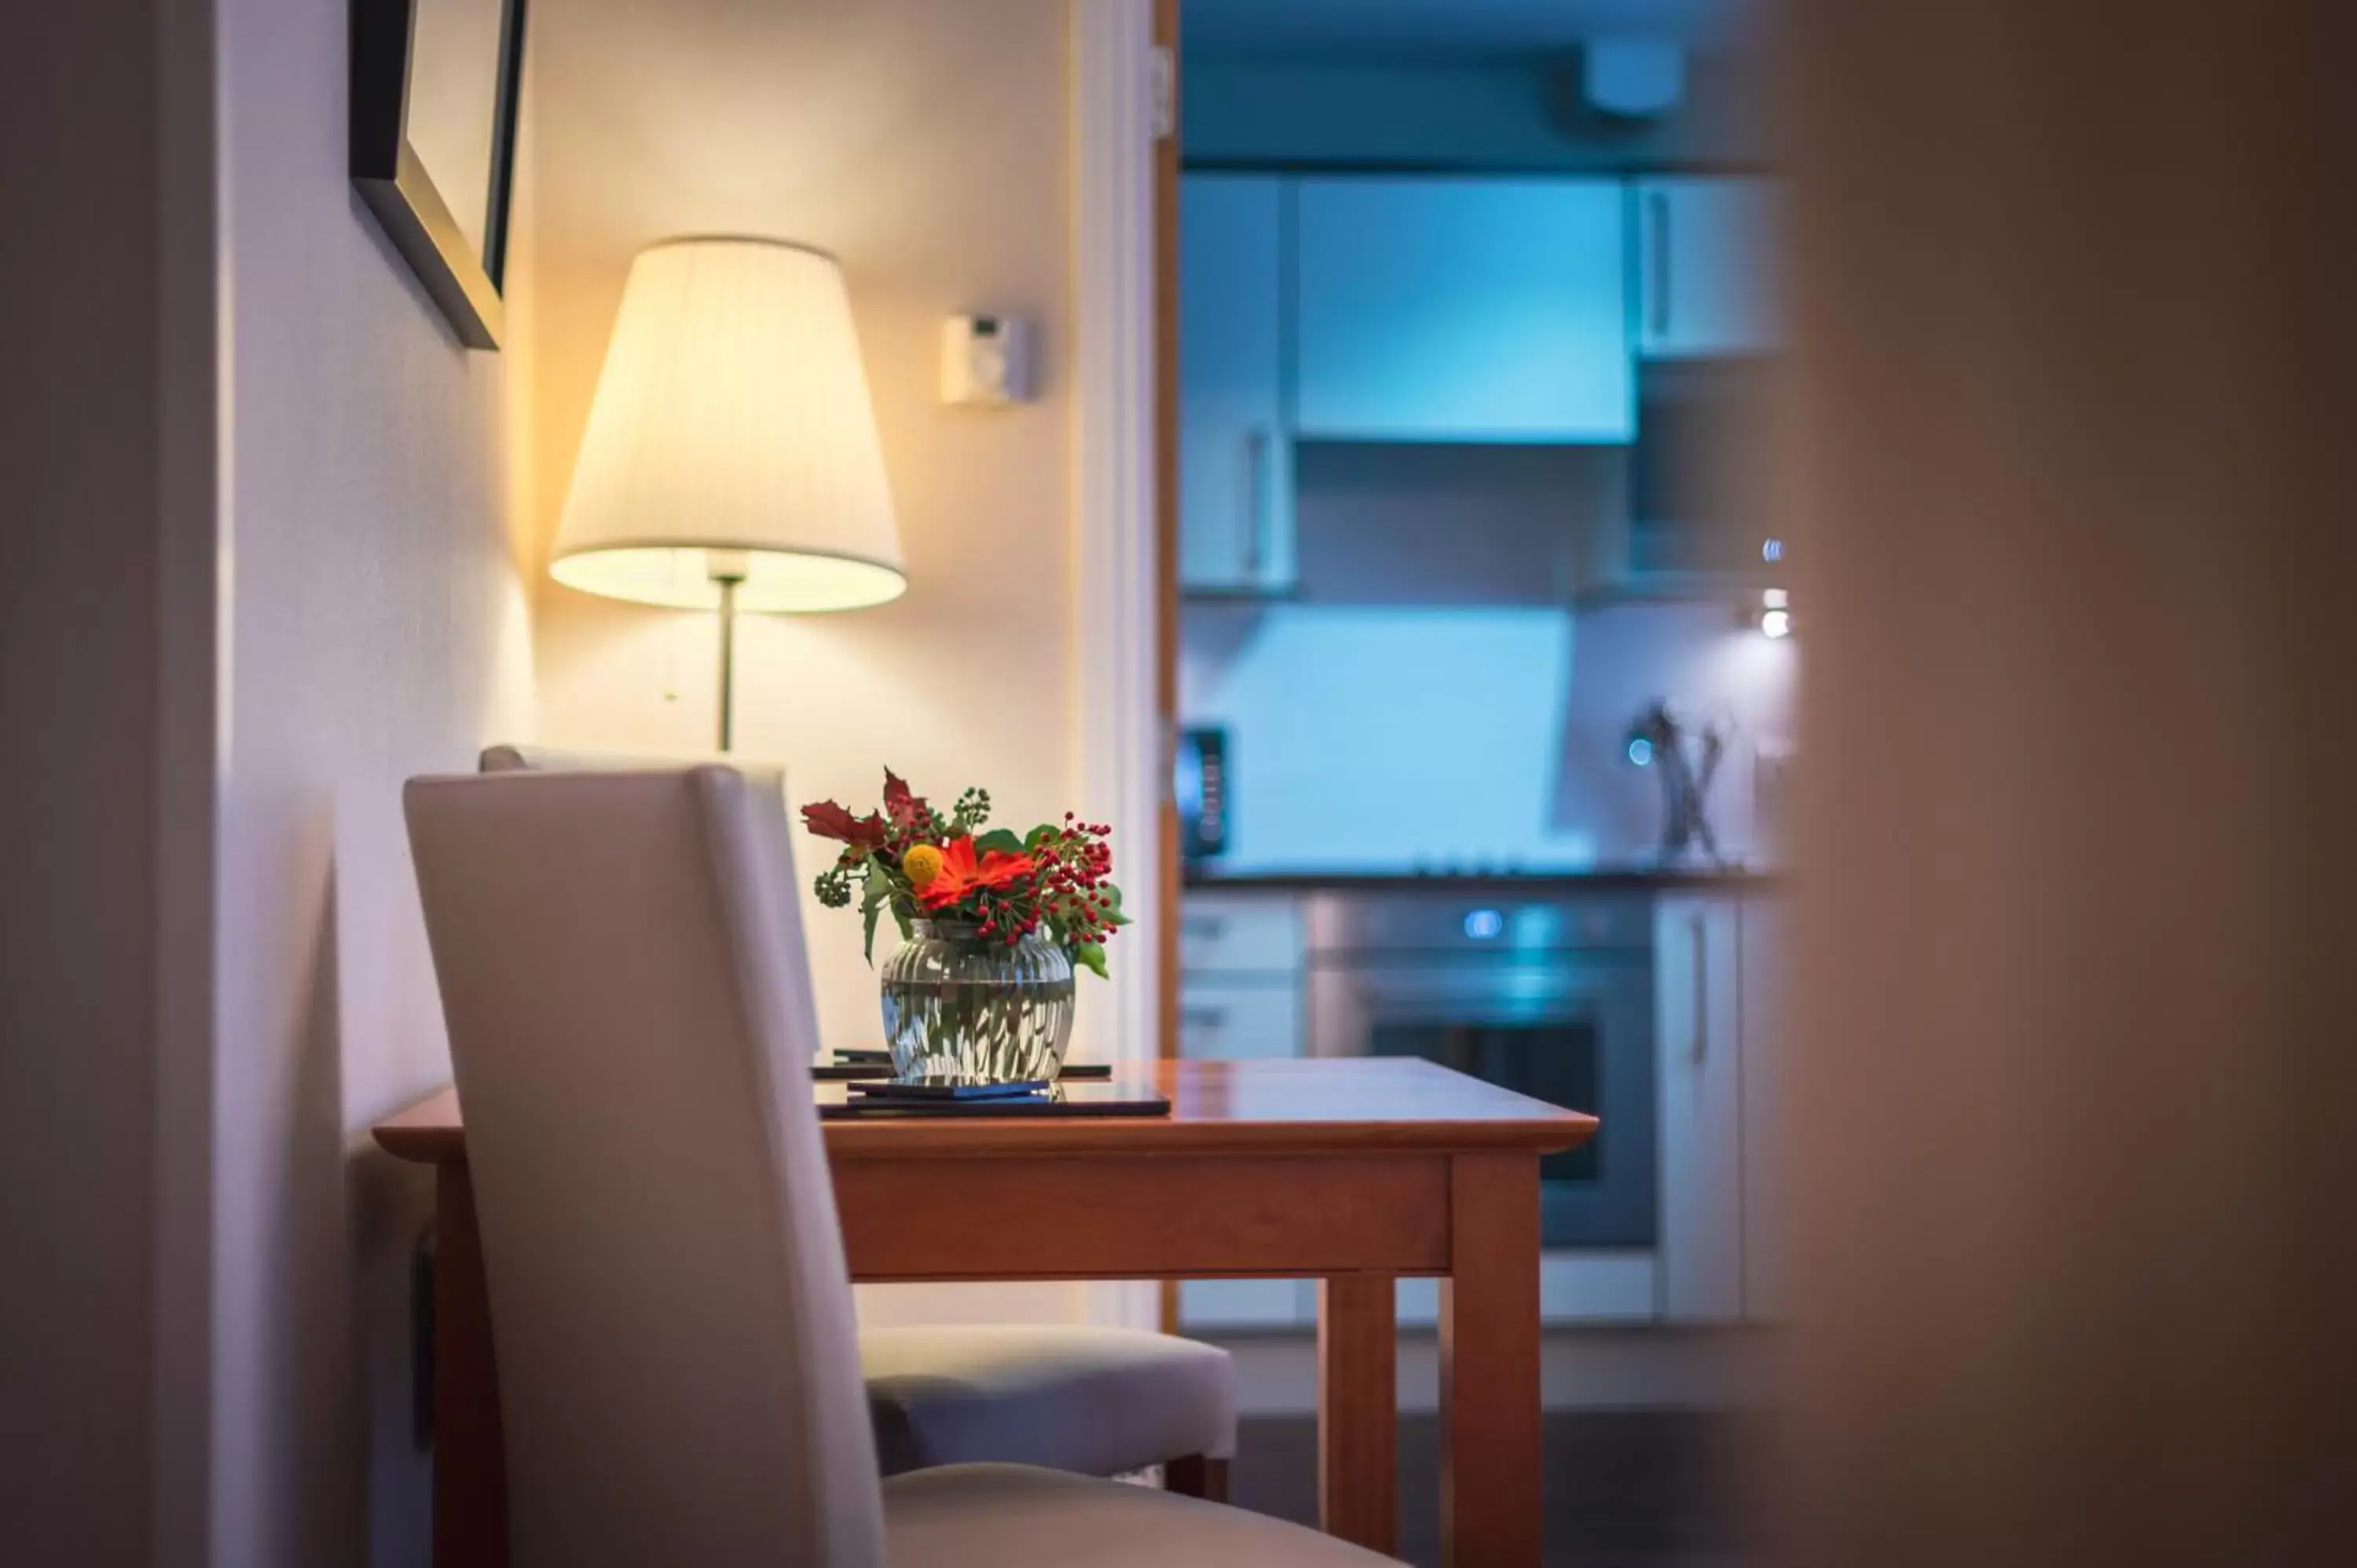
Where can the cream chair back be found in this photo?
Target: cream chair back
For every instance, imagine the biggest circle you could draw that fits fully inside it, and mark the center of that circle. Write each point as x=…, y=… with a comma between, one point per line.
x=513, y=757
x=793, y=957
x=678, y=1365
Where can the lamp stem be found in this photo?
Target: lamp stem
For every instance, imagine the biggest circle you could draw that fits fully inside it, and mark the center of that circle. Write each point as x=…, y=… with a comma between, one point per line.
x=727, y=658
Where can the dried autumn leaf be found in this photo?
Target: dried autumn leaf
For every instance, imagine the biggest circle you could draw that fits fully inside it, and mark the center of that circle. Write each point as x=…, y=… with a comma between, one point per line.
x=828, y=821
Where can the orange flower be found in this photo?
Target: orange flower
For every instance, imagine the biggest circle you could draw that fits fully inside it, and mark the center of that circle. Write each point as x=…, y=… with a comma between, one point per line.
x=961, y=874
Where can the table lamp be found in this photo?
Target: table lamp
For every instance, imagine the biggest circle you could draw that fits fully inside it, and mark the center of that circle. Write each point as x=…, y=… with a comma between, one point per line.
x=730, y=460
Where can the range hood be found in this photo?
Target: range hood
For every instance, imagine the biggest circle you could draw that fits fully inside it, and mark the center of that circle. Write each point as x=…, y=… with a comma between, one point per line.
x=1694, y=522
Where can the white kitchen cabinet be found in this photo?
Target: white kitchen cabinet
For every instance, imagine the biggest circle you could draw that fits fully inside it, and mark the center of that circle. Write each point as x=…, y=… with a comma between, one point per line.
x=1239, y=933
x=1236, y=1017
x=1235, y=453
x=1476, y=310
x=1240, y=997
x=1595, y=1288
x=1228, y=1019
x=1699, y=1039
x=1247, y=1304
x=1707, y=258
x=1766, y=1061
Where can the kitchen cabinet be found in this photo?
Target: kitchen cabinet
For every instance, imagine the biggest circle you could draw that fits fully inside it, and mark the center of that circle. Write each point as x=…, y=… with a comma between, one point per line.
x=1475, y=310
x=1706, y=266
x=1235, y=456
x=1233, y=1015
x=1595, y=1288
x=1766, y=1061
x=1697, y=955
x=1247, y=1304
x=1240, y=995
x=1230, y=1018
x=1239, y=933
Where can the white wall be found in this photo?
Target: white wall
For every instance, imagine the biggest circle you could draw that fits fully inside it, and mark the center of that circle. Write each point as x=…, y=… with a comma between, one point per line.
x=374, y=626
x=925, y=145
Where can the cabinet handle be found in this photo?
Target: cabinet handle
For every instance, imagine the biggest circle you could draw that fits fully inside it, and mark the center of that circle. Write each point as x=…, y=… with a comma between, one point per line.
x=1256, y=516
x=1700, y=1053
x=1657, y=218
x=1210, y=928
x=1203, y=1017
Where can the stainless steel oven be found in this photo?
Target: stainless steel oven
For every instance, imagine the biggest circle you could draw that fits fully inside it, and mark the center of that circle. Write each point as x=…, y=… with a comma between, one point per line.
x=1550, y=995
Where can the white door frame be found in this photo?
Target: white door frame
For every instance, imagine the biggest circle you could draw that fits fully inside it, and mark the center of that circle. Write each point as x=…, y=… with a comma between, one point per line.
x=1120, y=763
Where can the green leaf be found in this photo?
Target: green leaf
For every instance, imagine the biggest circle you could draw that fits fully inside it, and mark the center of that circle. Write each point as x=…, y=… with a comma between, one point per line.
x=1091, y=956
x=1001, y=839
x=900, y=918
x=873, y=894
x=1038, y=835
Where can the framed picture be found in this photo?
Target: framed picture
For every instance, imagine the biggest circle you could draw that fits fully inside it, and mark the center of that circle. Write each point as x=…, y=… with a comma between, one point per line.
x=435, y=84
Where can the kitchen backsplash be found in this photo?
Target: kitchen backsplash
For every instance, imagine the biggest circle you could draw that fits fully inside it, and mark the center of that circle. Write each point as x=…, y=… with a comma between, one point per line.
x=1387, y=737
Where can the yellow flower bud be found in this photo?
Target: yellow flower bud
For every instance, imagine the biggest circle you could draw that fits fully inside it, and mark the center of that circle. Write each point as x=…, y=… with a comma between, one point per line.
x=921, y=864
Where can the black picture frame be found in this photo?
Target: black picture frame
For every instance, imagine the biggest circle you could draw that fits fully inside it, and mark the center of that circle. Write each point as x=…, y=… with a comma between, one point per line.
x=392, y=180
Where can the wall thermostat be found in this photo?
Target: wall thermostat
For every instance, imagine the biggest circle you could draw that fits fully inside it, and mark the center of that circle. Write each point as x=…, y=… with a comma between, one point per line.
x=985, y=362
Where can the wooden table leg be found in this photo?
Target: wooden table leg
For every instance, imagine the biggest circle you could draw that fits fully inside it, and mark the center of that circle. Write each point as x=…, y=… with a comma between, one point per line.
x=1490, y=1466
x=1357, y=1410
x=471, y=1473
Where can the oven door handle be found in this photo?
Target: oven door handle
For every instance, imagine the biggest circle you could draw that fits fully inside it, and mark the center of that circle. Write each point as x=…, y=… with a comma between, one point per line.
x=1558, y=990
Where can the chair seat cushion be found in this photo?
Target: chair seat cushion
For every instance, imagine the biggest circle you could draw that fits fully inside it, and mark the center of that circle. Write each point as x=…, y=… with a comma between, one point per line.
x=983, y=1516
x=1099, y=1400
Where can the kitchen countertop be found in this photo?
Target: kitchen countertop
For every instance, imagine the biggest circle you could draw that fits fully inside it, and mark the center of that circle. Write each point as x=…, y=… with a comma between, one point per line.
x=1595, y=879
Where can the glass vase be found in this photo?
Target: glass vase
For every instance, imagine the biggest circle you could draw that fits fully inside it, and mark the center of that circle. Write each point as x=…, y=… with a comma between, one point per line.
x=976, y=1009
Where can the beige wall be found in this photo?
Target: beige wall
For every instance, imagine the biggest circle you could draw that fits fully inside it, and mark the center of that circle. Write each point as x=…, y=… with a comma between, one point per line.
x=374, y=628
x=925, y=145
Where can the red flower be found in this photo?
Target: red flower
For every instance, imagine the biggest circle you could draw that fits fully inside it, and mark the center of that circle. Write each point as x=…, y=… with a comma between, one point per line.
x=961, y=874
x=828, y=821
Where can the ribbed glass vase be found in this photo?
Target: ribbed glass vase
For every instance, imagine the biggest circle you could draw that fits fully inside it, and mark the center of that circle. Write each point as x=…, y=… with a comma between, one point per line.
x=975, y=1009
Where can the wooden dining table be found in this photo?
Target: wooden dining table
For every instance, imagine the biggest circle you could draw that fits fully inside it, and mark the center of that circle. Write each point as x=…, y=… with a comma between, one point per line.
x=1353, y=1171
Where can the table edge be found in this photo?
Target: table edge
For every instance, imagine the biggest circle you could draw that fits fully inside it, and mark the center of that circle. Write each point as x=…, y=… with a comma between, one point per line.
x=1145, y=1137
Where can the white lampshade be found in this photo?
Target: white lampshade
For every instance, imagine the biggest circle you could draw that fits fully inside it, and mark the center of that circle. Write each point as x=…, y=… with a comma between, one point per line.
x=732, y=416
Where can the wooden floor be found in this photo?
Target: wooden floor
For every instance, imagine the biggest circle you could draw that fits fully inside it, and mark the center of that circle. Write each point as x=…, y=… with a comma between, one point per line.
x=1624, y=1490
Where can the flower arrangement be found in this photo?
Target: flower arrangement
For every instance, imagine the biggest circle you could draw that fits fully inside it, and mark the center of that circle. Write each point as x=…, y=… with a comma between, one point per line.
x=923, y=864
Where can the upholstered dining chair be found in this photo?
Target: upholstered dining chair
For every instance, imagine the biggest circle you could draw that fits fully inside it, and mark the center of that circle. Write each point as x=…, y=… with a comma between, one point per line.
x=679, y=1378
x=1103, y=1402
